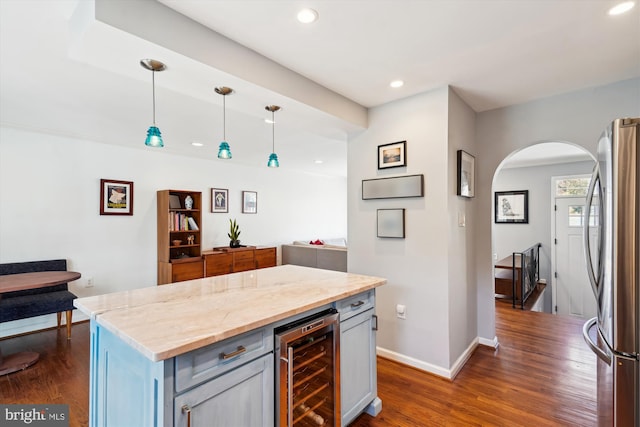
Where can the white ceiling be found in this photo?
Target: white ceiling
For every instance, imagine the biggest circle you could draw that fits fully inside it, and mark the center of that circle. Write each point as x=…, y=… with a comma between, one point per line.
x=63, y=75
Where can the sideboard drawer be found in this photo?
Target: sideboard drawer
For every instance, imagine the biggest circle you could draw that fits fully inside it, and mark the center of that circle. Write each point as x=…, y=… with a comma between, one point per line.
x=208, y=362
x=218, y=263
x=243, y=261
x=265, y=257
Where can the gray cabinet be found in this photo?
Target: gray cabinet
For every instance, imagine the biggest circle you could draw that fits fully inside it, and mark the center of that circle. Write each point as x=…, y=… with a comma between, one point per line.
x=241, y=397
x=358, y=384
x=229, y=383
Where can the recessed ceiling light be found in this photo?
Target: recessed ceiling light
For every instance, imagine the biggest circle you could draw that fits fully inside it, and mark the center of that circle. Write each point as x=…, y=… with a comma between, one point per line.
x=269, y=121
x=621, y=8
x=318, y=162
x=307, y=16
x=197, y=144
x=396, y=83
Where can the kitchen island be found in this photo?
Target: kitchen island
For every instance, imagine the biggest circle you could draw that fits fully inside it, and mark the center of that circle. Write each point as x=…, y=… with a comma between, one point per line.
x=201, y=352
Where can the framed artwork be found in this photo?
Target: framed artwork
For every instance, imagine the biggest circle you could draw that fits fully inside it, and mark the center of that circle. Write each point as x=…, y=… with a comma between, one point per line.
x=219, y=200
x=249, y=202
x=391, y=223
x=393, y=187
x=116, y=197
x=511, y=207
x=392, y=155
x=466, y=174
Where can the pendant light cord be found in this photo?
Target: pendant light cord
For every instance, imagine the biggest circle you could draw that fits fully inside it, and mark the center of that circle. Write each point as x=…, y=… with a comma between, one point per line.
x=153, y=89
x=273, y=132
x=224, y=117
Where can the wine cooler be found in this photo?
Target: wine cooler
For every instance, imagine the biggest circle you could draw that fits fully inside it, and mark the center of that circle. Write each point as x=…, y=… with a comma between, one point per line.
x=308, y=372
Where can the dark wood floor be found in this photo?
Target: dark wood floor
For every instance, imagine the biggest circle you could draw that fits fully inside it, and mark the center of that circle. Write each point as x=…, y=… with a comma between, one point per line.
x=541, y=375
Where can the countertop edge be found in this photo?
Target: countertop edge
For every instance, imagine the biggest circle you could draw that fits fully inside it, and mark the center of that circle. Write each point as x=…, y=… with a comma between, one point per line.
x=199, y=342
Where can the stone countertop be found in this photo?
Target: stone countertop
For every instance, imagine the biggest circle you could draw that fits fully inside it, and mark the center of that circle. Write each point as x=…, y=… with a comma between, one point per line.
x=162, y=322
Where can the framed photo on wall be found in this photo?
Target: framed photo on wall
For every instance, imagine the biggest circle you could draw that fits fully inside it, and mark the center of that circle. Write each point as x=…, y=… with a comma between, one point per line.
x=116, y=197
x=219, y=200
x=392, y=155
x=249, y=202
x=466, y=174
x=390, y=223
x=511, y=207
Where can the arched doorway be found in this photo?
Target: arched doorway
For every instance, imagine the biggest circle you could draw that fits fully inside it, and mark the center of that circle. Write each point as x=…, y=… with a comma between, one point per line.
x=534, y=171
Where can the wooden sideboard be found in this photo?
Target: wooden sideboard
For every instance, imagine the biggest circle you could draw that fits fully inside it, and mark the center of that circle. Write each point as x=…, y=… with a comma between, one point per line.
x=224, y=260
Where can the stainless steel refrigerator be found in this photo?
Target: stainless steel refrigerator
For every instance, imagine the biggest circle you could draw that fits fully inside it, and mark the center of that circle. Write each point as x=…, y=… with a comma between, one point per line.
x=612, y=249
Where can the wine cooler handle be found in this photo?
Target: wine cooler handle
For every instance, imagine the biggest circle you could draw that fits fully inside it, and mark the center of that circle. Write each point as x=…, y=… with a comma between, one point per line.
x=290, y=386
x=585, y=235
x=187, y=410
x=226, y=356
x=375, y=322
x=597, y=350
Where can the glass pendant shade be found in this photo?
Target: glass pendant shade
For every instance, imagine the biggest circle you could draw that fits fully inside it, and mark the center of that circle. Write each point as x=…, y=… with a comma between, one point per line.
x=154, y=137
x=224, y=152
x=273, y=161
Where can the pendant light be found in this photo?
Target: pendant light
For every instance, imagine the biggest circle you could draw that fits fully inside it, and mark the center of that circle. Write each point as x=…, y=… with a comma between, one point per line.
x=154, y=137
x=273, y=157
x=224, y=151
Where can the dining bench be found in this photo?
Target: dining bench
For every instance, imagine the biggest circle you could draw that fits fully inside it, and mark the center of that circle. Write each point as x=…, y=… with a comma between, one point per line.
x=27, y=303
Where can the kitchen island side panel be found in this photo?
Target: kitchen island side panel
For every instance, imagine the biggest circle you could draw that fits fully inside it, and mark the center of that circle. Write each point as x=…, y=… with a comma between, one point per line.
x=126, y=387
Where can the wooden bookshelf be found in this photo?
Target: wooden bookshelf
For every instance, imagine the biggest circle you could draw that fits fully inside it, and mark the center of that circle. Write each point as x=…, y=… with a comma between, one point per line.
x=179, y=236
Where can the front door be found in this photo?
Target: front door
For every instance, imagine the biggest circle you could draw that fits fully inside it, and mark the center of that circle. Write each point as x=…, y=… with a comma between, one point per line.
x=573, y=291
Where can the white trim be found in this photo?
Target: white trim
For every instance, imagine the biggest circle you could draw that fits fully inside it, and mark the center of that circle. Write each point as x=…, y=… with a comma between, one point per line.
x=459, y=363
x=415, y=363
x=449, y=374
x=489, y=343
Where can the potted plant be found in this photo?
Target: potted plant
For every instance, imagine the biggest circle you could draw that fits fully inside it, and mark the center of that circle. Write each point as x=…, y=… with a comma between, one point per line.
x=234, y=232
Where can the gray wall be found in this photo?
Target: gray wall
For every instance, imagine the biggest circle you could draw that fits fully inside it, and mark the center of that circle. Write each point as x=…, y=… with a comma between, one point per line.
x=577, y=117
x=508, y=238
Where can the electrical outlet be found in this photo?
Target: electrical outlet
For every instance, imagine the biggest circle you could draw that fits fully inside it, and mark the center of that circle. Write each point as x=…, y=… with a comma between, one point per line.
x=401, y=311
x=89, y=283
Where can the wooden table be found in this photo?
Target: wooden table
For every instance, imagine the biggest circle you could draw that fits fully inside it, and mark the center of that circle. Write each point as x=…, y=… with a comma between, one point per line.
x=20, y=282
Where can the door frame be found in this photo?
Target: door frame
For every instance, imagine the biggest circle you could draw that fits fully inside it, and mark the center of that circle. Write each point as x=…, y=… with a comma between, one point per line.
x=553, y=271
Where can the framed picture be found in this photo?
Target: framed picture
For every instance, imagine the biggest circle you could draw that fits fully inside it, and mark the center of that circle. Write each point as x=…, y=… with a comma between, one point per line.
x=249, y=202
x=466, y=174
x=116, y=197
x=219, y=200
x=511, y=207
x=391, y=223
x=393, y=187
x=392, y=155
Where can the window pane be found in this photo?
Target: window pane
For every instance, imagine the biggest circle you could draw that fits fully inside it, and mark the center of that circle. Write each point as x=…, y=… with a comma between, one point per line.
x=576, y=216
x=572, y=187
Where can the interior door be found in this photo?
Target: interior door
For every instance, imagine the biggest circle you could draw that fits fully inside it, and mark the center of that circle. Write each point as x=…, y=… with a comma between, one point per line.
x=574, y=295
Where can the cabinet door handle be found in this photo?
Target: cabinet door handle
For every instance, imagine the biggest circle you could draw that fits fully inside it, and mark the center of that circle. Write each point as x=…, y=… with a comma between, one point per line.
x=187, y=410
x=375, y=322
x=357, y=304
x=226, y=356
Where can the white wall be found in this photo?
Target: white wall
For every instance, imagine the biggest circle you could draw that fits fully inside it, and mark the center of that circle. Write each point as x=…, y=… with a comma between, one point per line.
x=417, y=267
x=49, y=208
x=509, y=238
x=577, y=117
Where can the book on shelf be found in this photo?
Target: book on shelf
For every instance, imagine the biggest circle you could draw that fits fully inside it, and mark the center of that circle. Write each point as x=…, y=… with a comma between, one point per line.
x=181, y=222
x=192, y=224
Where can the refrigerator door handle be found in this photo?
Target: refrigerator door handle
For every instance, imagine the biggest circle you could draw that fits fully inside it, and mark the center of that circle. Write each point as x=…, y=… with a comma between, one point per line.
x=597, y=350
x=585, y=234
